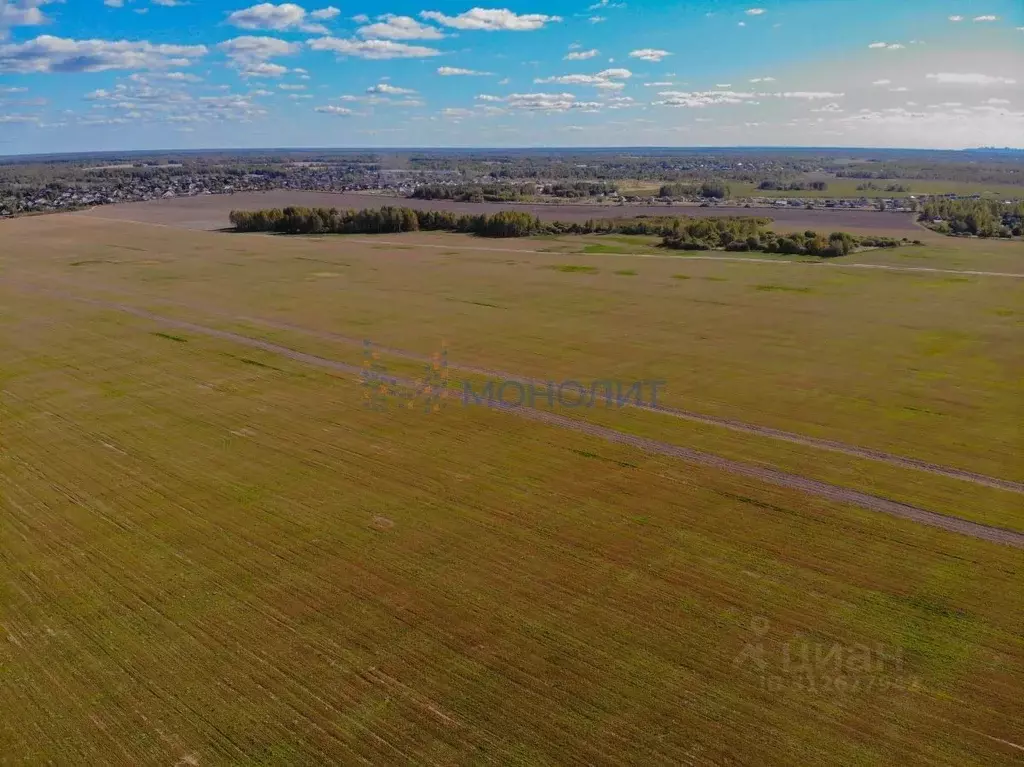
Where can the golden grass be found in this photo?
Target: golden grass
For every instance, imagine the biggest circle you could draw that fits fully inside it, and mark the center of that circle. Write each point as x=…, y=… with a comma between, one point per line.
x=214, y=554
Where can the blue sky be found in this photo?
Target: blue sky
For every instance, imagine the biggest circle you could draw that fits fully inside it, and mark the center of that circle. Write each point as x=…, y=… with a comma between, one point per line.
x=139, y=74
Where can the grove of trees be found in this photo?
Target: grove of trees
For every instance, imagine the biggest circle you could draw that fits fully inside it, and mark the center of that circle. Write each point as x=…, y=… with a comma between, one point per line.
x=734, y=233
x=981, y=218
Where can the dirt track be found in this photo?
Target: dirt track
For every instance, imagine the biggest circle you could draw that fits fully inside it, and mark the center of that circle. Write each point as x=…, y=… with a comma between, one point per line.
x=772, y=476
x=211, y=211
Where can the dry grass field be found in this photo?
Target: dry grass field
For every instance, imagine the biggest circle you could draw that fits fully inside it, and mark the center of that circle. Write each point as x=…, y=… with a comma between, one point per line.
x=214, y=553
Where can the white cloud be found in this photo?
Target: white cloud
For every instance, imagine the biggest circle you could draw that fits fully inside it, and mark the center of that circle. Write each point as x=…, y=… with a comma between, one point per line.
x=453, y=71
x=56, y=54
x=361, y=18
x=277, y=17
x=605, y=4
x=456, y=112
x=662, y=84
x=986, y=18
x=261, y=69
x=323, y=14
x=882, y=82
x=332, y=110
x=888, y=46
x=649, y=54
x=581, y=55
x=998, y=102
x=955, y=78
x=544, y=102
x=371, y=49
x=491, y=20
x=603, y=79
x=257, y=48
x=956, y=18
x=286, y=87
x=395, y=27
x=20, y=13
x=390, y=90
x=755, y=11
x=597, y=19
x=830, y=107
x=807, y=95
x=698, y=99
x=762, y=79
x=14, y=90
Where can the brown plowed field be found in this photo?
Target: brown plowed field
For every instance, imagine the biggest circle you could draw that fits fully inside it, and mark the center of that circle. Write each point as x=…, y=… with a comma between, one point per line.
x=211, y=211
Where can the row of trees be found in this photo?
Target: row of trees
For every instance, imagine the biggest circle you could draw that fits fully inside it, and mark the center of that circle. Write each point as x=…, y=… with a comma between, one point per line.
x=793, y=186
x=734, y=233
x=386, y=220
x=714, y=190
x=981, y=218
x=475, y=192
x=807, y=243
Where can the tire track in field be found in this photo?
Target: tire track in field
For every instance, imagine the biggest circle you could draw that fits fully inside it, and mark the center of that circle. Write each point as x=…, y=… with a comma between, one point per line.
x=740, y=259
x=834, y=446
x=771, y=476
x=727, y=423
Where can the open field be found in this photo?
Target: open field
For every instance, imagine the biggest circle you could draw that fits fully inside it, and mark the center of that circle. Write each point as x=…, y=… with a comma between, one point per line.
x=211, y=211
x=214, y=553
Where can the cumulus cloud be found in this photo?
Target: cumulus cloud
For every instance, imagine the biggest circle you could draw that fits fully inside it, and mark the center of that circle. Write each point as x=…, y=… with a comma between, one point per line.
x=986, y=18
x=454, y=71
x=276, y=17
x=491, y=20
x=755, y=11
x=20, y=13
x=605, y=79
x=698, y=99
x=56, y=54
x=649, y=54
x=390, y=90
x=257, y=48
x=332, y=110
x=324, y=14
x=597, y=19
x=371, y=49
x=882, y=82
x=395, y=27
x=762, y=79
x=581, y=55
x=261, y=69
x=543, y=102
x=956, y=18
x=956, y=78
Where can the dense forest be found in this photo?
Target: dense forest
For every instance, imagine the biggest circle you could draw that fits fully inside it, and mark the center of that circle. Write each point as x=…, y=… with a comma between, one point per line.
x=736, y=233
x=981, y=218
x=712, y=190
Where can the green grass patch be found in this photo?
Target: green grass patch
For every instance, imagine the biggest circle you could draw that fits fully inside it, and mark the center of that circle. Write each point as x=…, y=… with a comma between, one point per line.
x=571, y=268
x=782, y=289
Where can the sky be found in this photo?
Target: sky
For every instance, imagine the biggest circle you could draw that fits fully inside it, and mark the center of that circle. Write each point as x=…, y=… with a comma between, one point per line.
x=88, y=75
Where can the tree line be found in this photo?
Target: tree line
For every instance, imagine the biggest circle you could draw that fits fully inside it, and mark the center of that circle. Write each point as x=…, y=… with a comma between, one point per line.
x=808, y=243
x=714, y=190
x=793, y=186
x=733, y=233
x=981, y=218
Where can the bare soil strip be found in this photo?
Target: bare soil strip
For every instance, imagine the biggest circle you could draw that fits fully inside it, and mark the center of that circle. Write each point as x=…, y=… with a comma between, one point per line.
x=771, y=476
